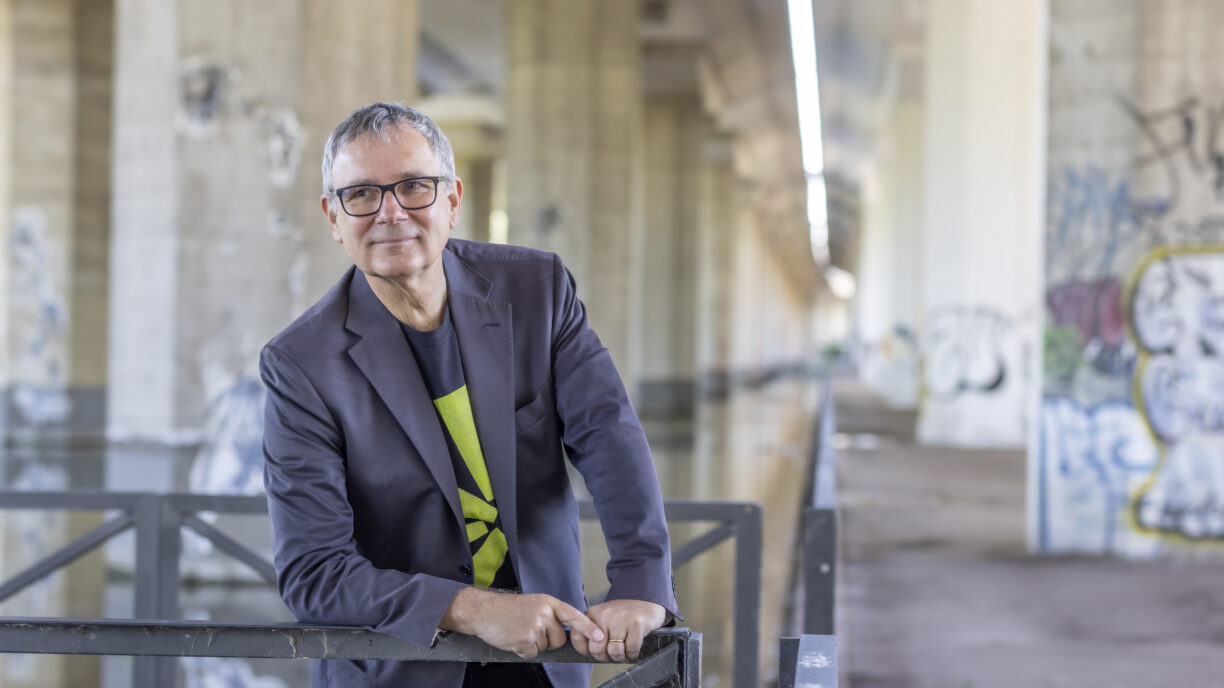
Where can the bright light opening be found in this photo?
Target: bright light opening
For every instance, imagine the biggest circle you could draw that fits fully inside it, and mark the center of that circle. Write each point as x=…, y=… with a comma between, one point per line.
x=807, y=95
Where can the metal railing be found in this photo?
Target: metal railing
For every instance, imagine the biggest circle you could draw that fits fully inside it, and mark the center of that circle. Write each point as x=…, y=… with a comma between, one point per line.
x=809, y=660
x=158, y=519
x=668, y=656
x=743, y=521
x=811, y=603
x=819, y=551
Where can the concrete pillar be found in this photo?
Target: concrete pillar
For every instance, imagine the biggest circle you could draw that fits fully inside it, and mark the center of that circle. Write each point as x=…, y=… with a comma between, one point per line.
x=222, y=109
x=887, y=302
x=55, y=188
x=674, y=130
x=1129, y=457
x=573, y=117
x=982, y=216
x=55, y=94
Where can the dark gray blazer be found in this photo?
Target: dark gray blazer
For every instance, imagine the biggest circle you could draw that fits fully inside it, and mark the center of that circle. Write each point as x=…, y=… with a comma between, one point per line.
x=365, y=511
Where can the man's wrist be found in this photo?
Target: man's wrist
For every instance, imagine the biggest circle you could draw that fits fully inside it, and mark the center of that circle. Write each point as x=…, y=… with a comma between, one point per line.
x=458, y=616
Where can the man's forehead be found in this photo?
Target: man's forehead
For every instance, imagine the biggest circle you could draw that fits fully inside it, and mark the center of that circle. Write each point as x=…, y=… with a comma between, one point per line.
x=401, y=150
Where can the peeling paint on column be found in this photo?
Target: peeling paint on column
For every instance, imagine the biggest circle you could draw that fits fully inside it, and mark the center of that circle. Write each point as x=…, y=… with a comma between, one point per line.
x=231, y=461
x=279, y=227
x=283, y=138
x=39, y=386
x=204, y=89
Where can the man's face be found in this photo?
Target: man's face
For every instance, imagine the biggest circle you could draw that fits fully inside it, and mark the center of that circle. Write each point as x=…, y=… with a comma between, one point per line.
x=397, y=244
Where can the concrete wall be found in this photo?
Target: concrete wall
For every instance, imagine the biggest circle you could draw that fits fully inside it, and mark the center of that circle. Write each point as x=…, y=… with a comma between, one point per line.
x=1128, y=458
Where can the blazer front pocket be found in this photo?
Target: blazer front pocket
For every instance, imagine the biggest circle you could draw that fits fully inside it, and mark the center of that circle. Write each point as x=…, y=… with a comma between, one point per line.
x=534, y=411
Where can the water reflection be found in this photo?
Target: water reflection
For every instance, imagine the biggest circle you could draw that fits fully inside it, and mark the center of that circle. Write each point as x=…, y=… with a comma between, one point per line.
x=750, y=445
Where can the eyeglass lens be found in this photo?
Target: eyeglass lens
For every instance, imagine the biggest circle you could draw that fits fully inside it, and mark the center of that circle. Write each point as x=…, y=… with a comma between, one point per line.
x=412, y=194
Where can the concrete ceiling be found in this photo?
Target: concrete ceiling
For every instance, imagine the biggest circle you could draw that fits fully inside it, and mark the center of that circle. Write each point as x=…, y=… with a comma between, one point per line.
x=732, y=54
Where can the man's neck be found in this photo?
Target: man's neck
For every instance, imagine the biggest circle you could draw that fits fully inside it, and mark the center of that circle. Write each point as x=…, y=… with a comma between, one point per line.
x=418, y=303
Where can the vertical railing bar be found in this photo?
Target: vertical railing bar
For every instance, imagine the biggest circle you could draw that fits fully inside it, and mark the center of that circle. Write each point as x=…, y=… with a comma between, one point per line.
x=747, y=596
x=788, y=656
x=158, y=544
x=690, y=676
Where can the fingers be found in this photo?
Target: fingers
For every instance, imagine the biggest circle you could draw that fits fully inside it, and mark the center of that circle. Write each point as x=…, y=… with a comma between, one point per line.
x=527, y=650
x=577, y=621
x=554, y=635
x=617, y=642
x=633, y=644
x=580, y=643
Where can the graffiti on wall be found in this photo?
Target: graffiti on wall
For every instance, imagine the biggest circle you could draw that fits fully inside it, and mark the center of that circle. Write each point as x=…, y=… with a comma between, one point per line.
x=1091, y=456
x=1132, y=336
x=1177, y=314
x=40, y=312
x=966, y=351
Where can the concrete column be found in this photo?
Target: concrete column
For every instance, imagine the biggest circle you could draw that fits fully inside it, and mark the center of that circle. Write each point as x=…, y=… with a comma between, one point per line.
x=887, y=302
x=56, y=193
x=222, y=109
x=55, y=85
x=477, y=142
x=982, y=218
x=674, y=130
x=573, y=111
x=1128, y=457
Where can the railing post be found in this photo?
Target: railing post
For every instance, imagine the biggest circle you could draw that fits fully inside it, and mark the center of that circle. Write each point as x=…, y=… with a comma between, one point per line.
x=819, y=570
x=747, y=595
x=158, y=545
x=691, y=670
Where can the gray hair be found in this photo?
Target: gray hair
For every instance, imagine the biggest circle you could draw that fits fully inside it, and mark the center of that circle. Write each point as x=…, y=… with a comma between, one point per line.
x=382, y=119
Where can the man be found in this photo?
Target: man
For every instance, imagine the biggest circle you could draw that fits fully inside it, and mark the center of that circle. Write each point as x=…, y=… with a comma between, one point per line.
x=414, y=429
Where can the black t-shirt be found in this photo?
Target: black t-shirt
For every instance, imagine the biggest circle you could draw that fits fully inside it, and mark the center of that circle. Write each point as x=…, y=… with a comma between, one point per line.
x=437, y=355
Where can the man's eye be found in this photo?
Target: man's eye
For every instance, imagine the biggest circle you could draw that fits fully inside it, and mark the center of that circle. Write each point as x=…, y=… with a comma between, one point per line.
x=360, y=193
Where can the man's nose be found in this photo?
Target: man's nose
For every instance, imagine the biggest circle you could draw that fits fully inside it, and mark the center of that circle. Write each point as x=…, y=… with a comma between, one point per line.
x=390, y=209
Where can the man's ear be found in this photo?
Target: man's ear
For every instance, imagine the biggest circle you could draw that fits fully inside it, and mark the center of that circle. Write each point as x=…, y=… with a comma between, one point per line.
x=329, y=211
x=453, y=196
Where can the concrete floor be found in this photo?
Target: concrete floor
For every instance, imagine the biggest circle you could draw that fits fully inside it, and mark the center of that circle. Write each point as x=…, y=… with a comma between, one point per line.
x=937, y=590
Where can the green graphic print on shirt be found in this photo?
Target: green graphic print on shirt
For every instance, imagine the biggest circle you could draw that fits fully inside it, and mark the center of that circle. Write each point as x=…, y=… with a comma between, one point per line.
x=437, y=354
x=479, y=510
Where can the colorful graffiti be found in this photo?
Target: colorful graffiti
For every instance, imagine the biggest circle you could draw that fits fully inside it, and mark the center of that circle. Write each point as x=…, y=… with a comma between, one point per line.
x=1131, y=456
x=1091, y=457
x=1177, y=314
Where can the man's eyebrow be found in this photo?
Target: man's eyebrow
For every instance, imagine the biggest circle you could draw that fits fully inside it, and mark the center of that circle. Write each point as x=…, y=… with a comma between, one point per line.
x=400, y=177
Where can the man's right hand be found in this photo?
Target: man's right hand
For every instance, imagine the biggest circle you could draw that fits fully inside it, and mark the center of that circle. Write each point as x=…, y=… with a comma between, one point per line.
x=523, y=624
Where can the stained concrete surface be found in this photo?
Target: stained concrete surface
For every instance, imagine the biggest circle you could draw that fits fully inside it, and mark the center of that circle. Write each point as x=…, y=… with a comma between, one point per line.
x=936, y=588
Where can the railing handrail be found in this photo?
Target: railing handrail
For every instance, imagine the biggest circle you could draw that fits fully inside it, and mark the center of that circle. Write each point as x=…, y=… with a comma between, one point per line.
x=824, y=456
x=158, y=518
x=666, y=654
x=815, y=573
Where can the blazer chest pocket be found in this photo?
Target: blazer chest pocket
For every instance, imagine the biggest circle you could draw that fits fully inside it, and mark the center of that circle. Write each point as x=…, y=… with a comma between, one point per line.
x=534, y=411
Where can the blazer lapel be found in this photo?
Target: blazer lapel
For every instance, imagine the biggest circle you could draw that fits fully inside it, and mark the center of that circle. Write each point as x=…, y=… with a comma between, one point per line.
x=486, y=344
x=384, y=357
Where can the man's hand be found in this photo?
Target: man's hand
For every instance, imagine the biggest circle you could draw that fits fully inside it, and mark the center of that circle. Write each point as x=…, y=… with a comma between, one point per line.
x=523, y=624
x=621, y=620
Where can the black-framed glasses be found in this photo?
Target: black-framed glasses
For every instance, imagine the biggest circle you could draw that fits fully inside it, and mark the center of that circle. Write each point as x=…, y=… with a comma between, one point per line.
x=413, y=193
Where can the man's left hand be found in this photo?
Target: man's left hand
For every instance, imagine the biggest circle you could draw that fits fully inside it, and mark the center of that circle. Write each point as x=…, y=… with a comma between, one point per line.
x=621, y=620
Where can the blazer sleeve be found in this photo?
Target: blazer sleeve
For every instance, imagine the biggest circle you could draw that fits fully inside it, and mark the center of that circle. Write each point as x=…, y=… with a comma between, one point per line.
x=321, y=576
x=604, y=440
